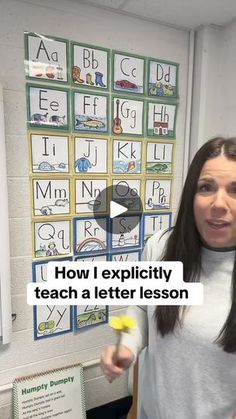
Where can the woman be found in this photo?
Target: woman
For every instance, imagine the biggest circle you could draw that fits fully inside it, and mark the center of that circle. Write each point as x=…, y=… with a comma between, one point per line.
x=189, y=365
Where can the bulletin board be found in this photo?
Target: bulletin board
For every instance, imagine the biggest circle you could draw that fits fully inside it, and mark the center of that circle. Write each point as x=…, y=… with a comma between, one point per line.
x=96, y=118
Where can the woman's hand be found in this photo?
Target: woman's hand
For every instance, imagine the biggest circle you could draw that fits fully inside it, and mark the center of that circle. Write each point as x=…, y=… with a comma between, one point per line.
x=114, y=362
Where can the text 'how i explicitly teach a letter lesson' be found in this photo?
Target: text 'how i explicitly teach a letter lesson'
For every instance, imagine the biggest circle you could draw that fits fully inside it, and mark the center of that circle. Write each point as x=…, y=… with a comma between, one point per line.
x=127, y=283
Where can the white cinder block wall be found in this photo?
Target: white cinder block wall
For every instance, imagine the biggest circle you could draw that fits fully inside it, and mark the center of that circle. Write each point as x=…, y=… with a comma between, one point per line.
x=66, y=19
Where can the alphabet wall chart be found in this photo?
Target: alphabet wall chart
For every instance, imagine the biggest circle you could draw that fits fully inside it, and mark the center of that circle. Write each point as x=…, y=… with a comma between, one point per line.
x=98, y=119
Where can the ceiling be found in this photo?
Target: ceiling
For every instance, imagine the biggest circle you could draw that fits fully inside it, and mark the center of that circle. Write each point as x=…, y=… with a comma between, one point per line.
x=188, y=14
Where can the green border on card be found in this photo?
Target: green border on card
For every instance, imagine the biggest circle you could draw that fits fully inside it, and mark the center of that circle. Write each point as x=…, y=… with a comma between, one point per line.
x=42, y=80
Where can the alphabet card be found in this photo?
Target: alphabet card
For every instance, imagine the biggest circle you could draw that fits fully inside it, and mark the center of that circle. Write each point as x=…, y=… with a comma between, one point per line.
x=125, y=232
x=46, y=58
x=88, y=153
x=128, y=73
x=50, y=320
x=127, y=156
x=154, y=223
x=51, y=197
x=48, y=108
x=159, y=158
x=90, y=66
x=89, y=235
x=52, y=238
x=90, y=315
x=90, y=258
x=126, y=257
x=157, y=194
x=127, y=116
x=49, y=153
x=126, y=192
x=90, y=112
x=88, y=196
x=161, y=119
x=163, y=79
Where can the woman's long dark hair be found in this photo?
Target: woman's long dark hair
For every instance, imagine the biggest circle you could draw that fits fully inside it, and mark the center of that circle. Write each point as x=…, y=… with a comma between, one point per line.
x=184, y=244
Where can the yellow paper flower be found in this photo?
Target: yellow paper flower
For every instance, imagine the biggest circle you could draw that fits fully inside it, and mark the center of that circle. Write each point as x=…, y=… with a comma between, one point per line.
x=129, y=323
x=122, y=323
x=116, y=323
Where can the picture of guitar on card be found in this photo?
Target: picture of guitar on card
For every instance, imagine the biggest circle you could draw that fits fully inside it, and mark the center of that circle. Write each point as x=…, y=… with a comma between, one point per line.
x=127, y=116
x=117, y=128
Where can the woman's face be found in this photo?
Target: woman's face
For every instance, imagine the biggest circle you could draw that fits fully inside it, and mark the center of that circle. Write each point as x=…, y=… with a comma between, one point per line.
x=215, y=202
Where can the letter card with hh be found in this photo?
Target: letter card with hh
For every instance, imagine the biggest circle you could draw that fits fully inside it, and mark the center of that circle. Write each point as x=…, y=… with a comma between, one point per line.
x=50, y=394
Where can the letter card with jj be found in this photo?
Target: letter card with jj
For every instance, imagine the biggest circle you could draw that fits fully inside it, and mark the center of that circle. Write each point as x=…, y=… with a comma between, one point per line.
x=91, y=155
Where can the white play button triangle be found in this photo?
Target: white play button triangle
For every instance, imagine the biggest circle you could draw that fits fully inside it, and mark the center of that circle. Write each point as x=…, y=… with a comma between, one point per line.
x=116, y=209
